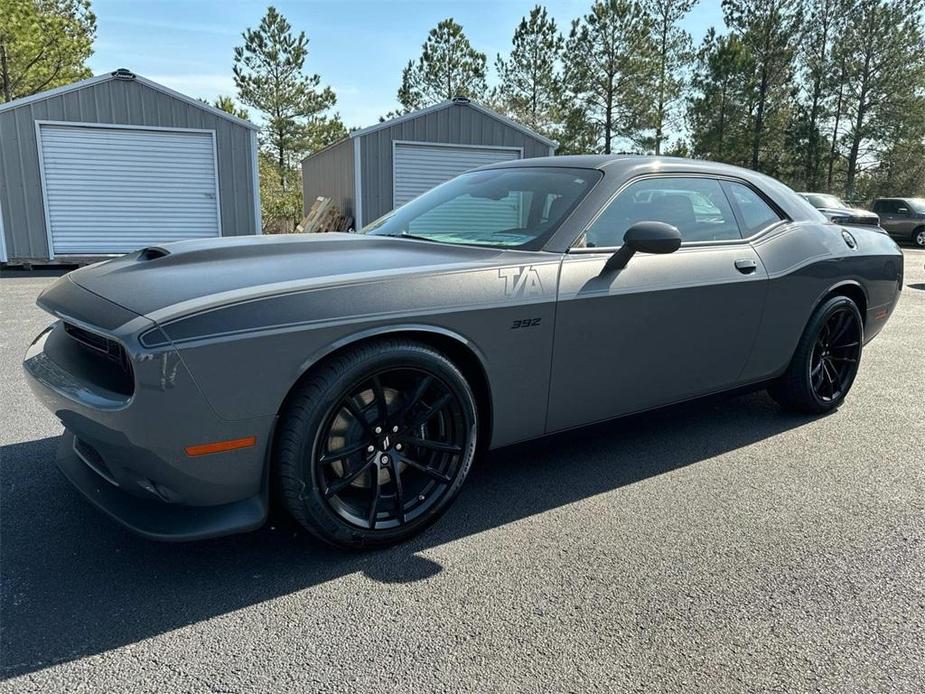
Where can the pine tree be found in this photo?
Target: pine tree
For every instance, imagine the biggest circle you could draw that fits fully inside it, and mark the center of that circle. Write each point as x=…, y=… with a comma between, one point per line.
x=768, y=30
x=227, y=104
x=885, y=68
x=673, y=54
x=719, y=109
x=43, y=44
x=268, y=72
x=608, y=67
x=530, y=83
x=448, y=67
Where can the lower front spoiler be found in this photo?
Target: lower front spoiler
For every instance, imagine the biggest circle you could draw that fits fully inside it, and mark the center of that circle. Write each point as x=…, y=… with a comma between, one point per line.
x=157, y=520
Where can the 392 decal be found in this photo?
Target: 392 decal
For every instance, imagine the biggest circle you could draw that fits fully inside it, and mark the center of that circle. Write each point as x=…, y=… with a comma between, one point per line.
x=525, y=323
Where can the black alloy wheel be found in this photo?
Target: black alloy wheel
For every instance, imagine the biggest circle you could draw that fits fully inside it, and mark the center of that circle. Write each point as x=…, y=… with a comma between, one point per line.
x=390, y=448
x=835, y=356
x=375, y=444
x=826, y=360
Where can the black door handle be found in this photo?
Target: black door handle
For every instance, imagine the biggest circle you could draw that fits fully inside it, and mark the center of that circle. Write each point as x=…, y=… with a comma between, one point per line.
x=746, y=266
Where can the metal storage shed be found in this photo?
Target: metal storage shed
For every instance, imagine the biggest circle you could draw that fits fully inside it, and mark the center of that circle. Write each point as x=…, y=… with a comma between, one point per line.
x=381, y=167
x=117, y=162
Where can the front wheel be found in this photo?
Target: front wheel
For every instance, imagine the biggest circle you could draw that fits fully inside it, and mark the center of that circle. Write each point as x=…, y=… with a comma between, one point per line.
x=826, y=360
x=376, y=444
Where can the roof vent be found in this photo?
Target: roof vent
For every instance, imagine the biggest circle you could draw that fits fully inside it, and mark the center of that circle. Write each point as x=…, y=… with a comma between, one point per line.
x=459, y=99
x=123, y=74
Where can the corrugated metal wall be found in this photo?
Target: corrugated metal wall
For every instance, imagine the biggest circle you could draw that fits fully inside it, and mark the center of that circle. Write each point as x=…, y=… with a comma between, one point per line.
x=126, y=103
x=459, y=124
x=330, y=173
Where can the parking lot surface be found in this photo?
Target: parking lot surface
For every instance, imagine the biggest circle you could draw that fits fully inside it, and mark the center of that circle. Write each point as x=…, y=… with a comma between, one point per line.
x=717, y=546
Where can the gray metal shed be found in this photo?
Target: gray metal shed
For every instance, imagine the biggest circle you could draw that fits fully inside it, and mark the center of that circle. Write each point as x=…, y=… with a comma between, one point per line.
x=376, y=169
x=117, y=162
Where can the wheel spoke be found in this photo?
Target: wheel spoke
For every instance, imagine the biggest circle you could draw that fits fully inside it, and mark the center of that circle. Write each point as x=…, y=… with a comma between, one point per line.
x=431, y=411
x=844, y=322
x=399, y=496
x=436, y=474
x=381, y=404
x=846, y=359
x=416, y=396
x=357, y=414
x=334, y=456
x=374, y=504
x=346, y=480
x=433, y=445
x=829, y=378
x=847, y=346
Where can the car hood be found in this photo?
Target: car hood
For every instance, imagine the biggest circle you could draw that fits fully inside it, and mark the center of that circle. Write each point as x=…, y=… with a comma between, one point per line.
x=849, y=211
x=161, y=279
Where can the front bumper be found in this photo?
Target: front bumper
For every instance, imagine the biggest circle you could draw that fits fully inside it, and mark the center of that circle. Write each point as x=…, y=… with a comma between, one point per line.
x=151, y=518
x=127, y=452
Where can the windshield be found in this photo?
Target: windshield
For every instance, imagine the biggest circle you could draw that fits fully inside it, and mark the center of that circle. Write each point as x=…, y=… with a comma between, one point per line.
x=818, y=200
x=917, y=204
x=509, y=208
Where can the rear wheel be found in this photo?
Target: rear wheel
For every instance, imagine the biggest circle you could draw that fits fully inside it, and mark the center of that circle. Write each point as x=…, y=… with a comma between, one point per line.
x=918, y=237
x=826, y=360
x=376, y=444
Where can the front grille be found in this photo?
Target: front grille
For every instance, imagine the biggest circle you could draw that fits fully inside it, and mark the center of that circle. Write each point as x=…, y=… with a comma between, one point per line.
x=110, y=349
x=94, y=357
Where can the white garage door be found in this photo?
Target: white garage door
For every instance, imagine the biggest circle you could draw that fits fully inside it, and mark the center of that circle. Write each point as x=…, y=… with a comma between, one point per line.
x=420, y=167
x=114, y=190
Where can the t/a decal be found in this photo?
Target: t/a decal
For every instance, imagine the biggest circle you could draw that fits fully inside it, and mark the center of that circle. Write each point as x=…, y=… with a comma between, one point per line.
x=521, y=281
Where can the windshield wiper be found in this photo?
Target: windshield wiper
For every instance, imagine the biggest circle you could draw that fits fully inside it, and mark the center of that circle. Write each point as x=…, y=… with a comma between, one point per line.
x=411, y=236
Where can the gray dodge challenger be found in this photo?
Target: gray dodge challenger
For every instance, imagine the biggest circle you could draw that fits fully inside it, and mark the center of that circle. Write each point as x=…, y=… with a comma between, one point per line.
x=352, y=378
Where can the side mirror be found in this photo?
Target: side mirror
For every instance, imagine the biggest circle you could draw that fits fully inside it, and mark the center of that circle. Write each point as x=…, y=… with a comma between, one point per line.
x=645, y=237
x=902, y=210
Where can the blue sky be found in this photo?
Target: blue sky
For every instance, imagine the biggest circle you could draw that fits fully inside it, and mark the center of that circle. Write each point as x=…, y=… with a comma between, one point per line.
x=358, y=47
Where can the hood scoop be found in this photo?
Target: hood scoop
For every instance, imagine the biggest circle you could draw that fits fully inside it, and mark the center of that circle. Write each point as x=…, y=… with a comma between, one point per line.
x=152, y=253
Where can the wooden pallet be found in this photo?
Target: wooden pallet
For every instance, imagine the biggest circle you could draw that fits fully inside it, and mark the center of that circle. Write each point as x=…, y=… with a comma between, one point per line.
x=323, y=216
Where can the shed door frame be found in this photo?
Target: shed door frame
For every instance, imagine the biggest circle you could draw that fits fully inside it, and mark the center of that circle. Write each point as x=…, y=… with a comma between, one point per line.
x=396, y=143
x=3, y=256
x=118, y=126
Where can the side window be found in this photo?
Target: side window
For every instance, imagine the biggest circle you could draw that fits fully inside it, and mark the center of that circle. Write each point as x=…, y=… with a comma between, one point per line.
x=881, y=206
x=756, y=213
x=696, y=206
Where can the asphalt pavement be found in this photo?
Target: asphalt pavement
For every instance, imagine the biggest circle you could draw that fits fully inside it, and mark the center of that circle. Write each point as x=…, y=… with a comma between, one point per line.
x=720, y=546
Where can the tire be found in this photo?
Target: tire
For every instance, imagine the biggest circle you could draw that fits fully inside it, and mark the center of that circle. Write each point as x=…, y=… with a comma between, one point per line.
x=918, y=237
x=826, y=360
x=374, y=396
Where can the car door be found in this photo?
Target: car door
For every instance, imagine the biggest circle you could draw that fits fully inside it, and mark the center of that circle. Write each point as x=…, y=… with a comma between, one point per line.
x=894, y=216
x=666, y=327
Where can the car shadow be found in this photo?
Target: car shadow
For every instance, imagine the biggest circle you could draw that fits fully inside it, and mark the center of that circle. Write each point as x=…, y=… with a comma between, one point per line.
x=74, y=584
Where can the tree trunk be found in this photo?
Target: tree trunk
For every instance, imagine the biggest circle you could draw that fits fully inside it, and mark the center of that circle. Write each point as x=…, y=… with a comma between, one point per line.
x=608, y=120
x=5, y=74
x=856, y=138
x=838, y=110
x=759, y=117
x=858, y=133
x=663, y=69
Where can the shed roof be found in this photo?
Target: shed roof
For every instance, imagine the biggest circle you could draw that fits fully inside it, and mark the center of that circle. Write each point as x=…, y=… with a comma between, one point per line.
x=456, y=102
x=124, y=74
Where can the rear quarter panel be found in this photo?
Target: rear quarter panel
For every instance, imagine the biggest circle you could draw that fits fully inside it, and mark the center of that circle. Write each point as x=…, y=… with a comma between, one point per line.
x=805, y=262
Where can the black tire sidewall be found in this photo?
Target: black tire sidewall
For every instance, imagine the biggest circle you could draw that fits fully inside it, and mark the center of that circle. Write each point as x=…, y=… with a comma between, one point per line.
x=326, y=523
x=807, y=345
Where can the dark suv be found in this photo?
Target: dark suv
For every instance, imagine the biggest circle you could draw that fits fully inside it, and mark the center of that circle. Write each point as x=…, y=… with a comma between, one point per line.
x=903, y=218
